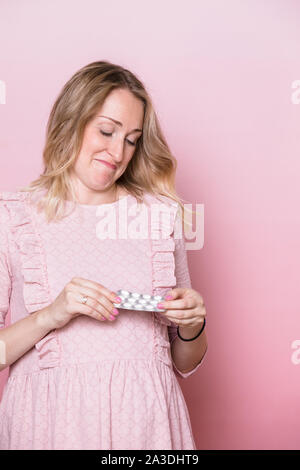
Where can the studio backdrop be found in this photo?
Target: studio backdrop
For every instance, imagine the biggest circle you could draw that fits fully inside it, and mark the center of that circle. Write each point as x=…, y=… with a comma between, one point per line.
x=224, y=77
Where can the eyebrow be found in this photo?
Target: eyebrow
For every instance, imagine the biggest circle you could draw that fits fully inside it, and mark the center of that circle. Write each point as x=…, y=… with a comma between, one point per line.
x=120, y=124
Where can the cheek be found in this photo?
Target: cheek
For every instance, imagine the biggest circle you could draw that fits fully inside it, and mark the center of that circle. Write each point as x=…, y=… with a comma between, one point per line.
x=89, y=150
x=129, y=158
x=96, y=140
x=81, y=161
x=93, y=142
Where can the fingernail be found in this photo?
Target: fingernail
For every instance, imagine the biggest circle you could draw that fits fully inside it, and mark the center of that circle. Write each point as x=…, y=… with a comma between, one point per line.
x=160, y=305
x=115, y=311
x=112, y=317
x=168, y=297
x=118, y=300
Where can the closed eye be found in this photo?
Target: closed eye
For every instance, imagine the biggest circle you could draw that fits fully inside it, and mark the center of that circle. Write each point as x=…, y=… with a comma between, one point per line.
x=109, y=134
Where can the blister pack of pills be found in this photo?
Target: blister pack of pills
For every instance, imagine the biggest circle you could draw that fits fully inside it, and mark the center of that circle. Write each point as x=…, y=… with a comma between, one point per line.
x=136, y=301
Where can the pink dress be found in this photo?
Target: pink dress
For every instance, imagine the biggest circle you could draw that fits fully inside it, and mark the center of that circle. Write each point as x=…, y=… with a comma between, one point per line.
x=92, y=384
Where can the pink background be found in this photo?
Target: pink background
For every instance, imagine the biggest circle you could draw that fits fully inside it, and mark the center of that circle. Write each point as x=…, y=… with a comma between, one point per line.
x=220, y=74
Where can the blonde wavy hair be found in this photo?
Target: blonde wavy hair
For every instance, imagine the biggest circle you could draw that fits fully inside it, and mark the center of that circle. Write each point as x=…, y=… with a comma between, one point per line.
x=152, y=167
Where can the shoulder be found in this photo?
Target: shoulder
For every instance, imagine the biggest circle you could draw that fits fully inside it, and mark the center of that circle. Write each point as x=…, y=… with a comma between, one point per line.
x=16, y=199
x=10, y=199
x=164, y=212
x=12, y=204
x=165, y=205
x=13, y=196
x=7, y=201
x=161, y=200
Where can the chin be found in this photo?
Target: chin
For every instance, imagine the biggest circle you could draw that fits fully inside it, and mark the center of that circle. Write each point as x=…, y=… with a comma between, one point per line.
x=100, y=184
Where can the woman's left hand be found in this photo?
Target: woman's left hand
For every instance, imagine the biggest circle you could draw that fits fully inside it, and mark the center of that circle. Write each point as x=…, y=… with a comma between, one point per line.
x=186, y=308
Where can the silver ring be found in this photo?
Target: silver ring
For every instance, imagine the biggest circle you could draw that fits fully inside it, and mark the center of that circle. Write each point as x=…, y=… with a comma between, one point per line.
x=84, y=299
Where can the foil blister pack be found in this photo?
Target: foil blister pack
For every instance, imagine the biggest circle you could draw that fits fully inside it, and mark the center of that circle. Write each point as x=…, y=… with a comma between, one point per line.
x=136, y=301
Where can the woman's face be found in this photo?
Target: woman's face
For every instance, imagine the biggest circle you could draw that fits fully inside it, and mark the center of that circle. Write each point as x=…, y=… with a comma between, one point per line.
x=108, y=146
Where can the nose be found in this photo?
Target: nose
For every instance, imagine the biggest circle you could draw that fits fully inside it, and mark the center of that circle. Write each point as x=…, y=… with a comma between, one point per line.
x=115, y=149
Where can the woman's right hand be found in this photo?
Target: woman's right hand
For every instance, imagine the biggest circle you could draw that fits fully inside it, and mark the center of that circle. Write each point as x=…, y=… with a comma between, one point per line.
x=68, y=303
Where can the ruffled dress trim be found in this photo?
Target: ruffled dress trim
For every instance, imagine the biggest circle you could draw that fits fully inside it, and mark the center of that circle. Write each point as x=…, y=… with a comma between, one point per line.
x=163, y=274
x=162, y=255
x=33, y=267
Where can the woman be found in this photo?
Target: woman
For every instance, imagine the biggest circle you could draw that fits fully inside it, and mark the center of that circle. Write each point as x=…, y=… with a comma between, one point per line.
x=83, y=374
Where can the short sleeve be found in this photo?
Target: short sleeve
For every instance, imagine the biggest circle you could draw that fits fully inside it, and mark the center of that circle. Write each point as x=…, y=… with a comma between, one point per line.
x=182, y=280
x=5, y=272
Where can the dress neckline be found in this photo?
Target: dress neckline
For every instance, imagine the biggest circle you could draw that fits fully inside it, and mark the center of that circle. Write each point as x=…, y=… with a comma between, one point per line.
x=91, y=206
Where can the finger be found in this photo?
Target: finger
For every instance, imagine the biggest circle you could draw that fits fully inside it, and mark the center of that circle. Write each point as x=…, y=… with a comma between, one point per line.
x=190, y=322
x=110, y=295
x=176, y=315
x=185, y=315
x=95, y=303
x=178, y=292
x=180, y=304
x=175, y=293
x=96, y=311
x=76, y=307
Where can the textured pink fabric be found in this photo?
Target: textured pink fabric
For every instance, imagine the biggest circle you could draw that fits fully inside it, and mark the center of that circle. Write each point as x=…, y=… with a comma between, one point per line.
x=91, y=384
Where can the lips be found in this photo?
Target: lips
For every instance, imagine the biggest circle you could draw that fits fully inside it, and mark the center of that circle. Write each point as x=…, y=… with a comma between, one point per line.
x=110, y=165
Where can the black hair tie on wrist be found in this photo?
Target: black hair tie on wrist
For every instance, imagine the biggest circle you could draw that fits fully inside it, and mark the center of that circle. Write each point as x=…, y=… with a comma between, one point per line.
x=191, y=339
